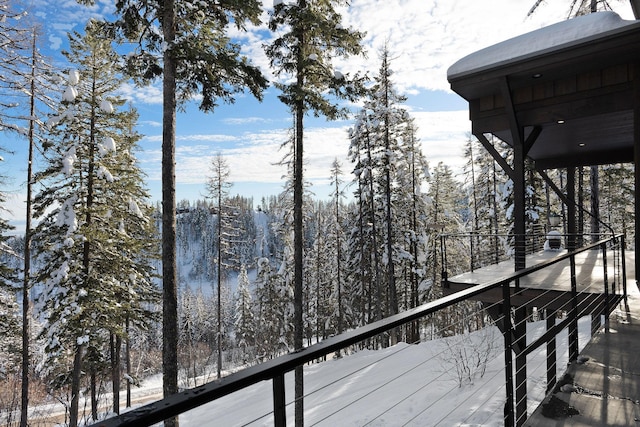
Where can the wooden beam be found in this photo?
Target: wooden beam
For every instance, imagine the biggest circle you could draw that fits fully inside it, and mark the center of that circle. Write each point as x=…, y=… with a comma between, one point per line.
x=554, y=187
x=494, y=153
x=531, y=139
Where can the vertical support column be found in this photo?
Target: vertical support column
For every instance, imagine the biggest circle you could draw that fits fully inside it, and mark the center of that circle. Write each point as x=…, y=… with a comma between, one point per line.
x=519, y=229
x=519, y=215
x=607, y=302
x=573, y=324
x=551, y=351
x=571, y=245
x=521, y=364
x=507, y=330
x=636, y=157
x=571, y=208
x=279, y=408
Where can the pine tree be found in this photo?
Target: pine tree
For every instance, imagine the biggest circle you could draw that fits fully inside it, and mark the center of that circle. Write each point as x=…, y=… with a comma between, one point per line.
x=244, y=323
x=616, y=190
x=390, y=171
x=336, y=235
x=218, y=189
x=411, y=238
x=25, y=87
x=363, y=246
x=274, y=305
x=483, y=180
x=192, y=55
x=312, y=37
x=10, y=323
x=94, y=239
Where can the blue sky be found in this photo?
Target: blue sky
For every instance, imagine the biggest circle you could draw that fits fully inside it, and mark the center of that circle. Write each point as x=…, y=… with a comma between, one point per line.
x=424, y=37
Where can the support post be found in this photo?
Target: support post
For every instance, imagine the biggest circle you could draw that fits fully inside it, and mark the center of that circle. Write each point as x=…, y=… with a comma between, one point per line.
x=607, y=302
x=573, y=325
x=636, y=153
x=521, y=364
x=507, y=331
x=551, y=351
x=279, y=408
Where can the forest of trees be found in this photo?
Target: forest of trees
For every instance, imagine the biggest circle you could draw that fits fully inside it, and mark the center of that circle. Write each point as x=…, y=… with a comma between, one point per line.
x=84, y=291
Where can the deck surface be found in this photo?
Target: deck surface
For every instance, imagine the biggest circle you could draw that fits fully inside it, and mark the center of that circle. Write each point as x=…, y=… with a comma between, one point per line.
x=589, y=272
x=608, y=383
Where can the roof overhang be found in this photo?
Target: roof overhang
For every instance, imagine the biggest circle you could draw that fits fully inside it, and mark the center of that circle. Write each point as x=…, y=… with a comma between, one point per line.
x=572, y=82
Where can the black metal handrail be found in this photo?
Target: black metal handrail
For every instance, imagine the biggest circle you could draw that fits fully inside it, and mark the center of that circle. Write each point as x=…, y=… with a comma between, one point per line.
x=276, y=368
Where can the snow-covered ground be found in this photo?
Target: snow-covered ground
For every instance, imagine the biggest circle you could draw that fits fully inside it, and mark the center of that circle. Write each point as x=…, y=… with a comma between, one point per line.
x=402, y=385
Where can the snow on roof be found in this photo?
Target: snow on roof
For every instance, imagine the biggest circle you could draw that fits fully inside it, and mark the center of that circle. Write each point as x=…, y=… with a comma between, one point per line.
x=554, y=37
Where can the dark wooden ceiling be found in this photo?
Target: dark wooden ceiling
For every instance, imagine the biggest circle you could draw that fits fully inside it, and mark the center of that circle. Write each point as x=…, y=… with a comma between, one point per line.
x=579, y=96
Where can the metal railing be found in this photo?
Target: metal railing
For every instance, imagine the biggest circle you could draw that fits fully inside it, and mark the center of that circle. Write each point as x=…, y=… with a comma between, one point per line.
x=561, y=310
x=461, y=252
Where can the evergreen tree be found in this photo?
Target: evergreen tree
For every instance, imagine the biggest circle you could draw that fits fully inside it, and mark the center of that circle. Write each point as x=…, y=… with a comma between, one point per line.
x=337, y=238
x=94, y=239
x=312, y=37
x=483, y=180
x=244, y=323
x=390, y=171
x=193, y=55
x=411, y=236
x=10, y=324
x=38, y=84
x=25, y=86
x=363, y=241
x=274, y=301
x=218, y=189
x=445, y=201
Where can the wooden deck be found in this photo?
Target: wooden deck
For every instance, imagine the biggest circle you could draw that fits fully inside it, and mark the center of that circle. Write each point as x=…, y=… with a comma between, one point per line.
x=607, y=385
x=549, y=287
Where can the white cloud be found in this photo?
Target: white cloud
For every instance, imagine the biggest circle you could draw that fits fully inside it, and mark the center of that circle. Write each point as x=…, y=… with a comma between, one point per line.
x=151, y=94
x=425, y=37
x=255, y=158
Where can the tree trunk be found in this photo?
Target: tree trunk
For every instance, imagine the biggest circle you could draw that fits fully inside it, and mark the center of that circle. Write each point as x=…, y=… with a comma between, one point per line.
x=298, y=237
x=169, y=267
x=75, y=387
x=298, y=263
x=94, y=393
x=116, y=345
x=24, y=405
x=128, y=362
x=219, y=274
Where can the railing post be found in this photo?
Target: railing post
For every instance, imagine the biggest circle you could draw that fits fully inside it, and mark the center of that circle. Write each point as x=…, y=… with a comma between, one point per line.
x=443, y=260
x=607, y=302
x=279, y=408
x=508, y=359
x=573, y=325
x=551, y=350
x=520, y=329
x=624, y=268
